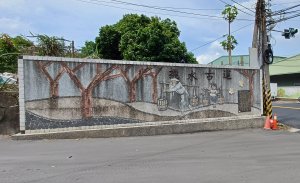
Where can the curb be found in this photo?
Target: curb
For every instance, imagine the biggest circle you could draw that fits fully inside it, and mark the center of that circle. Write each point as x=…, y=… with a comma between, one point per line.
x=286, y=99
x=185, y=126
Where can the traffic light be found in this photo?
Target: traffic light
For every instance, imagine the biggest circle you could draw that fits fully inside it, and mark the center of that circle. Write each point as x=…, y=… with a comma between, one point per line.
x=293, y=31
x=288, y=33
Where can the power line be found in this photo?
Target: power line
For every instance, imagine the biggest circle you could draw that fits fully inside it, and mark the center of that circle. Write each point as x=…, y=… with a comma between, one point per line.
x=243, y=6
x=164, y=9
x=285, y=9
x=202, y=16
x=168, y=7
x=155, y=13
x=237, y=8
x=284, y=19
x=285, y=3
x=284, y=13
x=221, y=37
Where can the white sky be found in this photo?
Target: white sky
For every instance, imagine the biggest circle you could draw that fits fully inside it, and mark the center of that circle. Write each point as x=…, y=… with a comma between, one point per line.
x=80, y=21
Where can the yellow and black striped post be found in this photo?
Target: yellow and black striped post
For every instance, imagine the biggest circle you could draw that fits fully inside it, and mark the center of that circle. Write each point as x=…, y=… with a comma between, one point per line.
x=267, y=100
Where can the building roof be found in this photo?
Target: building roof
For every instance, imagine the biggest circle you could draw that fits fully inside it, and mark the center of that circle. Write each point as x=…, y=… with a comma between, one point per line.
x=238, y=60
x=289, y=65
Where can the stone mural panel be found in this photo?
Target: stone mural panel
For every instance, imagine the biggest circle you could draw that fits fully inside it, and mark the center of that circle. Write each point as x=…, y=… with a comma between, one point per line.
x=103, y=92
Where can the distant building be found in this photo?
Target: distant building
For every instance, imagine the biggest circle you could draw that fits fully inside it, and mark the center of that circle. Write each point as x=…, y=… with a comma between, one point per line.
x=286, y=73
x=239, y=60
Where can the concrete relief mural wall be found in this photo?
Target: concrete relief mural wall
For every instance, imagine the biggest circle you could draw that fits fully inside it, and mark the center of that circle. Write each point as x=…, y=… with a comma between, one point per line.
x=62, y=93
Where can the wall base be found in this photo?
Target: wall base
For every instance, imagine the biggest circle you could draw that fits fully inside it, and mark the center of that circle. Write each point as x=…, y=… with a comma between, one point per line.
x=148, y=129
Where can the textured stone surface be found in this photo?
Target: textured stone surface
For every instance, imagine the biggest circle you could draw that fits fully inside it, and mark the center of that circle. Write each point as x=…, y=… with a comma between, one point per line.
x=66, y=92
x=188, y=126
x=9, y=113
x=35, y=122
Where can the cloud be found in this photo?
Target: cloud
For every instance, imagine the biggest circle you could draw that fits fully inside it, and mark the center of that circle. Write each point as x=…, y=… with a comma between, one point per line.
x=13, y=25
x=213, y=52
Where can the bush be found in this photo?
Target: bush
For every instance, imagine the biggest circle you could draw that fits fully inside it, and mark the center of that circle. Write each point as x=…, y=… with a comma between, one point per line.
x=280, y=92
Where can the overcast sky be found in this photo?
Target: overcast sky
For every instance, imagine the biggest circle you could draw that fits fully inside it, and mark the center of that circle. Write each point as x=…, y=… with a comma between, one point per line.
x=80, y=20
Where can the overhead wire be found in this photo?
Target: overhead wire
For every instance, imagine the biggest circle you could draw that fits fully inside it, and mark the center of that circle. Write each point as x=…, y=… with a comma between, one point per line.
x=285, y=9
x=221, y=37
x=284, y=19
x=237, y=8
x=204, y=16
x=243, y=6
x=165, y=9
x=168, y=7
x=285, y=3
x=123, y=8
x=285, y=13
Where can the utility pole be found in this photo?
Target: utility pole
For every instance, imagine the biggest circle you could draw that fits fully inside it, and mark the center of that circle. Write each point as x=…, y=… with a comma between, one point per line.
x=266, y=72
x=229, y=51
x=260, y=41
x=73, y=48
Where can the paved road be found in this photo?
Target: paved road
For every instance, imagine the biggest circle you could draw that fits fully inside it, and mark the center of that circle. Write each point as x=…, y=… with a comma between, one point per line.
x=252, y=156
x=288, y=113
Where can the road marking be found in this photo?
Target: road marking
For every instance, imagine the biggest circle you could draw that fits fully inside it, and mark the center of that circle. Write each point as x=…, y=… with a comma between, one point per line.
x=284, y=107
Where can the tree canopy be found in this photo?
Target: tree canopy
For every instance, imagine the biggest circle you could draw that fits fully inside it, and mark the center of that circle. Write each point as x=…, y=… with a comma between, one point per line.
x=50, y=45
x=89, y=49
x=10, y=48
x=138, y=37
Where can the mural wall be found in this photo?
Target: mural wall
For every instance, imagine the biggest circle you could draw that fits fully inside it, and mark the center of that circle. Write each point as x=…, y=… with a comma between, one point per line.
x=71, y=93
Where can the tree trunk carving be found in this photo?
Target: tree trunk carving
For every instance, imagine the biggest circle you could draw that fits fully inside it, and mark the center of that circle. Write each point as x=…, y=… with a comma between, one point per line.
x=86, y=93
x=249, y=74
x=53, y=82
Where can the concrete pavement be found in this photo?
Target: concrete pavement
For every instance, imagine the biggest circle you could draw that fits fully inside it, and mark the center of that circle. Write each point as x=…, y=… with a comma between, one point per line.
x=252, y=155
x=288, y=113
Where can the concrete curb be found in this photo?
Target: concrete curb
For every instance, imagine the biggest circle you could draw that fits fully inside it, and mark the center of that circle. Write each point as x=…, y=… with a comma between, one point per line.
x=148, y=130
x=286, y=99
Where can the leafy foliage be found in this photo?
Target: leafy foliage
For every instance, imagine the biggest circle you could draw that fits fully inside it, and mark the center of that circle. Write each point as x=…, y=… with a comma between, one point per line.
x=138, y=37
x=229, y=43
x=10, y=48
x=89, y=49
x=230, y=13
x=107, y=44
x=50, y=46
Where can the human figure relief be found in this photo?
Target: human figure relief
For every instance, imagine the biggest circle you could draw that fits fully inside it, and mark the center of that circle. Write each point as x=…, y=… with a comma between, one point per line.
x=213, y=93
x=176, y=86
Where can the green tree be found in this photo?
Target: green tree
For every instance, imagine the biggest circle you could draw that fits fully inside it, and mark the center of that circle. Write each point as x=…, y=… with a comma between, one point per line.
x=89, y=49
x=8, y=54
x=21, y=43
x=50, y=45
x=107, y=44
x=229, y=14
x=138, y=37
x=10, y=48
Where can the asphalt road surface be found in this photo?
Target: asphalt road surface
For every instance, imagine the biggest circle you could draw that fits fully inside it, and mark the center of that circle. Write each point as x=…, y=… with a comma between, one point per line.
x=252, y=156
x=288, y=113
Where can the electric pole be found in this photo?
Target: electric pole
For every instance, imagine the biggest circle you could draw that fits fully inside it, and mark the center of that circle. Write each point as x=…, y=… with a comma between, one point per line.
x=73, y=49
x=260, y=41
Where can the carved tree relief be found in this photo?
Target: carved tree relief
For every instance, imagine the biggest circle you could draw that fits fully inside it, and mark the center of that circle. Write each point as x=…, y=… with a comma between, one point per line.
x=154, y=75
x=249, y=74
x=54, y=82
x=86, y=92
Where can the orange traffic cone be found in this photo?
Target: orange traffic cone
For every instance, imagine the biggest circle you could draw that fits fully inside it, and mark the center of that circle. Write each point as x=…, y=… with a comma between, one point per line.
x=274, y=126
x=267, y=123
